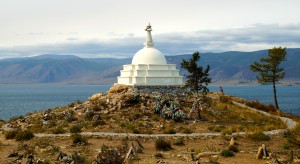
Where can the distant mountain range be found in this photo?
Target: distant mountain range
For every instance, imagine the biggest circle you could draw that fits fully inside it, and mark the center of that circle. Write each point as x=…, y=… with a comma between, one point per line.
x=226, y=68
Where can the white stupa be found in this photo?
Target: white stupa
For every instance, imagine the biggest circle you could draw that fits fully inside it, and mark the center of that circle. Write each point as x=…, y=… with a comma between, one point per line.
x=149, y=68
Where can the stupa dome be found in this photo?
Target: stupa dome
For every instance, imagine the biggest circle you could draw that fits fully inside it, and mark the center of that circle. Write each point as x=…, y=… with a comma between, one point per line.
x=149, y=55
x=149, y=68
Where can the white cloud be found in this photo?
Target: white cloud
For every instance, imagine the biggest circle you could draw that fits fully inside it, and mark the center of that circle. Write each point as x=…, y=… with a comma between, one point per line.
x=250, y=38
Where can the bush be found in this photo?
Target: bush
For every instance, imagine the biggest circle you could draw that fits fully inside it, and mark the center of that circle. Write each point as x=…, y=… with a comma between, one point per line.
x=216, y=128
x=10, y=134
x=97, y=123
x=111, y=155
x=294, y=141
x=24, y=135
x=187, y=131
x=225, y=99
x=161, y=144
x=170, y=131
x=131, y=127
x=136, y=131
x=233, y=148
x=78, y=158
x=89, y=115
x=286, y=145
x=75, y=129
x=257, y=105
x=79, y=139
x=15, y=118
x=179, y=141
x=226, y=153
x=58, y=130
x=259, y=136
x=228, y=131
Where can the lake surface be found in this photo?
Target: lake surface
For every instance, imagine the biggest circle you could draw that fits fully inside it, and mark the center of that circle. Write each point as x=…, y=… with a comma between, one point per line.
x=288, y=97
x=21, y=99
x=16, y=100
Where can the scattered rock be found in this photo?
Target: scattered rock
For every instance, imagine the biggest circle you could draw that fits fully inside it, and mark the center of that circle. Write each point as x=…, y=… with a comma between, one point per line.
x=185, y=158
x=275, y=161
x=231, y=141
x=60, y=156
x=95, y=96
x=158, y=155
x=96, y=117
x=119, y=105
x=67, y=159
x=262, y=152
x=14, y=154
x=207, y=154
x=118, y=88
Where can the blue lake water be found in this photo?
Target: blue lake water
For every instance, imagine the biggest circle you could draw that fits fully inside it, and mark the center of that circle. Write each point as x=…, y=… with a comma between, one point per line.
x=16, y=100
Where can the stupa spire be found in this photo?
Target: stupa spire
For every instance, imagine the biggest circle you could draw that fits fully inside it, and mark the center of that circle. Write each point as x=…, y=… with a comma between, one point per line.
x=149, y=42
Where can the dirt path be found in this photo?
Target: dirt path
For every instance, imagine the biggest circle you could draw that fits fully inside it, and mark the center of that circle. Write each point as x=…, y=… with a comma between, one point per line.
x=131, y=135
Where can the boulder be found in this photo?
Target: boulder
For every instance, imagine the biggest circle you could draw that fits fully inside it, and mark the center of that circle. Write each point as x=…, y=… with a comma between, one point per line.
x=119, y=88
x=119, y=105
x=231, y=141
x=95, y=96
x=96, y=117
x=14, y=154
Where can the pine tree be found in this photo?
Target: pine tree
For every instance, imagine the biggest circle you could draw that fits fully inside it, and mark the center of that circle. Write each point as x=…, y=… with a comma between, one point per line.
x=198, y=77
x=269, y=70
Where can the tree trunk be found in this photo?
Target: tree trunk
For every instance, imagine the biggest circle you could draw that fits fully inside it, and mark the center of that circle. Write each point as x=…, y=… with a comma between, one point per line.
x=199, y=115
x=275, y=96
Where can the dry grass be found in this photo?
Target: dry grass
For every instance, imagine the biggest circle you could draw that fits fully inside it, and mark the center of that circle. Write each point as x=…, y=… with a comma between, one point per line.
x=257, y=105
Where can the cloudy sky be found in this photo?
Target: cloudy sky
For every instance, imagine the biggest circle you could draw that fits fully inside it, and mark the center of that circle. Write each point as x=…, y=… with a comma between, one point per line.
x=111, y=28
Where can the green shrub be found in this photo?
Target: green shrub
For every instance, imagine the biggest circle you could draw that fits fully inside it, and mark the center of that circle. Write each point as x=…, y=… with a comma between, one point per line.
x=78, y=102
x=170, y=131
x=24, y=135
x=259, y=136
x=179, y=141
x=136, y=131
x=58, y=130
x=226, y=153
x=70, y=116
x=233, y=148
x=225, y=99
x=216, y=128
x=10, y=134
x=79, y=139
x=111, y=155
x=76, y=129
x=15, y=118
x=228, y=131
x=187, y=131
x=161, y=144
x=294, y=141
x=97, y=123
x=89, y=115
x=286, y=146
x=257, y=105
x=131, y=127
x=78, y=158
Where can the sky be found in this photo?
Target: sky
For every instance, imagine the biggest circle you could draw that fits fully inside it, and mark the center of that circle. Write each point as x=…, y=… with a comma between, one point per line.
x=115, y=28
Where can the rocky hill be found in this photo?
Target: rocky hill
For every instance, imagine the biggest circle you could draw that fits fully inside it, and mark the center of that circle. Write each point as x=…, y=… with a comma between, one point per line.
x=166, y=128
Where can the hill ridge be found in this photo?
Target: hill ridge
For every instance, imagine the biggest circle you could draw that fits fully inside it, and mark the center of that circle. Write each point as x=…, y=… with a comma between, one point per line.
x=231, y=67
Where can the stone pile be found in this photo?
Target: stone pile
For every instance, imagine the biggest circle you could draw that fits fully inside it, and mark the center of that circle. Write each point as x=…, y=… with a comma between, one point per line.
x=19, y=157
x=169, y=109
